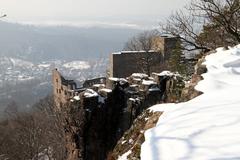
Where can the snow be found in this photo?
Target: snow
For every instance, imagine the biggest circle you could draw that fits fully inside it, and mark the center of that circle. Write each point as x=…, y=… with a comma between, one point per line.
x=129, y=52
x=121, y=80
x=78, y=65
x=117, y=53
x=153, y=89
x=90, y=93
x=164, y=73
x=139, y=75
x=148, y=82
x=132, y=99
x=141, y=51
x=25, y=78
x=136, y=79
x=113, y=79
x=44, y=65
x=206, y=127
x=134, y=85
x=21, y=63
x=124, y=156
x=77, y=98
x=105, y=90
x=99, y=85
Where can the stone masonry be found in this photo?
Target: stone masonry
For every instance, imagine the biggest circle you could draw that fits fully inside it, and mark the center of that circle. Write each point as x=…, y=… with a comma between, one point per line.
x=123, y=64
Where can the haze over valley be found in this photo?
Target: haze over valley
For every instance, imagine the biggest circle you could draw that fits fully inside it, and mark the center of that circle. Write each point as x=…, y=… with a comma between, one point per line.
x=29, y=53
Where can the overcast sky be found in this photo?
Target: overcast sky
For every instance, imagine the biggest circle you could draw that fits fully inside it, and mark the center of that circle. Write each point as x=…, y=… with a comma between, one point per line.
x=138, y=12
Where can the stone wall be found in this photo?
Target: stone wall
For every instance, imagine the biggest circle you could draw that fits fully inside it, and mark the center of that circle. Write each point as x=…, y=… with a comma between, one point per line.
x=90, y=82
x=124, y=63
x=62, y=89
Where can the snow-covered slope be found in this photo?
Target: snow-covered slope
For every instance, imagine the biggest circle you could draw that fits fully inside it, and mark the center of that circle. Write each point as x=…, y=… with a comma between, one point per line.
x=78, y=65
x=207, y=127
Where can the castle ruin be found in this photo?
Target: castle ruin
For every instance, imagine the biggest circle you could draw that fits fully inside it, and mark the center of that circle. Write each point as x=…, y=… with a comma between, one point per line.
x=123, y=64
x=102, y=112
x=104, y=108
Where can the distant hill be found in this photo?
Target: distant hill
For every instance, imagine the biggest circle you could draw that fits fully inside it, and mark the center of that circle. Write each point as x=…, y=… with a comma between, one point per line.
x=28, y=54
x=39, y=43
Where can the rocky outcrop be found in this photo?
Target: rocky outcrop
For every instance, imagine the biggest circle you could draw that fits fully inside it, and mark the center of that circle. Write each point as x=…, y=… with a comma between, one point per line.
x=97, y=117
x=133, y=138
x=189, y=92
x=129, y=146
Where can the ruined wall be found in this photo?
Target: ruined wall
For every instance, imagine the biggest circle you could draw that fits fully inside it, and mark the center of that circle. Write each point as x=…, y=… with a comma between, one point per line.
x=124, y=63
x=90, y=82
x=62, y=89
x=169, y=45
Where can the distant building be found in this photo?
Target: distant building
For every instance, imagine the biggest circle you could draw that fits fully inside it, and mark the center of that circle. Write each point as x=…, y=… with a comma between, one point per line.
x=123, y=64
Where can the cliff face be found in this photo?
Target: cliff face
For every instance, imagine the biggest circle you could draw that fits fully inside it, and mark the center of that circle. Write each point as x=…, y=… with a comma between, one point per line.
x=132, y=139
x=97, y=117
x=129, y=146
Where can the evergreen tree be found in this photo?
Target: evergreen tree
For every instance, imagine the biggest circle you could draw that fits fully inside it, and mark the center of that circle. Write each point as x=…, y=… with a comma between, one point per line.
x=175, y=62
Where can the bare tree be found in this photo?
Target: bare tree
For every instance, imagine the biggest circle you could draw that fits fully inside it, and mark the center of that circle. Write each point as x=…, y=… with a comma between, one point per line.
x=144, y=41
x=34, y=135
x=225, y=13
x=187, y=24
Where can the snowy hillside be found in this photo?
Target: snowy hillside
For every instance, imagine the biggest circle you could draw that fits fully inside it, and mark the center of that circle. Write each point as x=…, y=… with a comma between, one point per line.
x=25, y=82
x=207, y=127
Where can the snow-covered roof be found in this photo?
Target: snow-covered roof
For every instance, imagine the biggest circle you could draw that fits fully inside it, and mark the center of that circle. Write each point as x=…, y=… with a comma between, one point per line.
x=206, y=127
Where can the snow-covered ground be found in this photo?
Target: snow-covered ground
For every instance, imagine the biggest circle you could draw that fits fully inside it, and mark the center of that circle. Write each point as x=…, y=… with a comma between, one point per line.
x=14, y=69
x=20, y=78
x=78, y=65
x=207, y=127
